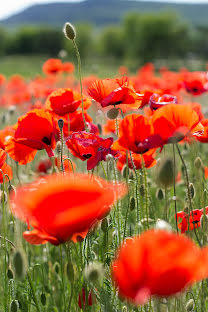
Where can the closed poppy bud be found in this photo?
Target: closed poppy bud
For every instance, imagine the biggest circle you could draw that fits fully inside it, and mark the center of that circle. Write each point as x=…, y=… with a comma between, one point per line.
x=20, y=264
x=104, y=225
x=204, y=223
x=93, y=272
x=132, y=203
x=113, y=113
x=12, y=189
x=198, y=163
x=69, y=31
x=165, y=174
x=191, y=190
x=43, y=299
x=142, y=190
x=190, y=305
x=159, y=194
x=56, y=267
x=10, y=273
x=69, y=271
x=14, y=306
x=58, y=147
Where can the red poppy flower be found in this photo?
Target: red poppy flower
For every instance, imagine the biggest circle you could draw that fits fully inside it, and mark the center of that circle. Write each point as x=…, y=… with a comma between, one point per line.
x=33, y=131
x=156, y=101
x=192, y=221
x=52, y=66
x=4, y=167
x=114, y=92
x=196, y=83
x=63, y=208
x=45, y=165
x=90, y=147
x=174, y=122
x=68, y=67
x=204, y=137
x=148, y=159
x=136, y=134
x=65, y=101
x=157, y=263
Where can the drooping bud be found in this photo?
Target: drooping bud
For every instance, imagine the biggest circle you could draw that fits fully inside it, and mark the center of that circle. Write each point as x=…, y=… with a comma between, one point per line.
x=165, y=173
x=69, y=31
x=12, y=189
x=113, y=113
x=198, y=163
x=93, y=272
x=190, y=305
x=159, y=194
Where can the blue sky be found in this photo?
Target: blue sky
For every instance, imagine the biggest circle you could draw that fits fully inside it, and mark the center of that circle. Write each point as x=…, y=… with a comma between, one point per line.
x=9, y=7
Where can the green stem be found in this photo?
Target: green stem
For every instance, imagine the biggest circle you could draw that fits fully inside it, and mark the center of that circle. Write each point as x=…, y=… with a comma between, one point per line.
x=33, y=292
x=80, y=81
x=174, y=187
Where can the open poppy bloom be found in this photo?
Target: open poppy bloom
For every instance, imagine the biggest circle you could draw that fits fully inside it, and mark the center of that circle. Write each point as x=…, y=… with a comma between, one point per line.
x=196, y=83
x=136, y=134
x=157, y=263
x=33, y=131
x=65, y=101
x=156, y=101
x=114, y=92
x=90, y=147
x=191, y=221
x=174, y=122
x=6, y=169
x=204, y=138
x=63, y=208
x=52, y=66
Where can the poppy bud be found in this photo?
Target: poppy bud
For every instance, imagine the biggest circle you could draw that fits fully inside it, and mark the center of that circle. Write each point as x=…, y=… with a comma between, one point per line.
x=124, y=309
x=192, y=190
x=94, y=272
x=99, y=128
x=3, y=196
x=113, y=113
x=10, y=273
x=186, y=210
x=142, y=190
x=12, y=189
x=124, y=171
x=204, y=223
x=132, y=203
x=43, y=299
x=14, y=306
x=69, y=271
x=159, y=194
x=69, y=31
x=20, y=264
x=60, y=123
x=104, y=225
x=58, y=147
x=109, y=157
x=190, y=305
x=11, y=110
x=166, y=174
x=163, y=225
x=56, y=267
x=198, y=163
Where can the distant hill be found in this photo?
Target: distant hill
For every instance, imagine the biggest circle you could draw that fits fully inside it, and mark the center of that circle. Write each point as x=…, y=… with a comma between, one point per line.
x=100, y=12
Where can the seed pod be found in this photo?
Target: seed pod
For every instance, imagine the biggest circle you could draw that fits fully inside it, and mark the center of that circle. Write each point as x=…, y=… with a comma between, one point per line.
x=192, y=190
x=69, y=271
x=104, y=225
x=10, y=273
x=132, y=204
x=60, y=123
x=198, y=163
x=190, y=305
x=43, y=299
x=160, y=194
x=113, y=113
x=20, y=264
x=14, y=306
x=69, y=31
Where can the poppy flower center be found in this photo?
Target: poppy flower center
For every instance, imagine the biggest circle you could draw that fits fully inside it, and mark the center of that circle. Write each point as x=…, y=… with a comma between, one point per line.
x=87, y=156
x=46, y=140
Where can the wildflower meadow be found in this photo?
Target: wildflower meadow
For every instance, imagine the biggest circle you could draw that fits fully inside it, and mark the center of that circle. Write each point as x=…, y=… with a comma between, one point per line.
x=104, y=193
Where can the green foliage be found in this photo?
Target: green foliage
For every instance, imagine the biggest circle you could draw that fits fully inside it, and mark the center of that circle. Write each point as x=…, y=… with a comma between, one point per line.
x=111, y=42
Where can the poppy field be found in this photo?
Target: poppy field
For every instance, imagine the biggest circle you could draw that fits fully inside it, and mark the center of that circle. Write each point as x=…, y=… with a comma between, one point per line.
x=104, y=193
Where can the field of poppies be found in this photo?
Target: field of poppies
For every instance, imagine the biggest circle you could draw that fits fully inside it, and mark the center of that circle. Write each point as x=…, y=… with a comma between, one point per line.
x=104, y=193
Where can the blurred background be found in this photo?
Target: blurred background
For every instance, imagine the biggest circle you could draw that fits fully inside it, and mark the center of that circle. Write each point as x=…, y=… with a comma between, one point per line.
x=109, y=33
